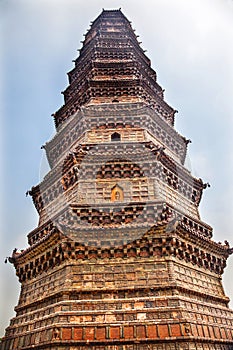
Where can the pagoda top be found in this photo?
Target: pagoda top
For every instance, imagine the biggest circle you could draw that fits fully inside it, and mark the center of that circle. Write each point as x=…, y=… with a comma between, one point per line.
x=112, y=67
x=110, y=13
x=109, y=20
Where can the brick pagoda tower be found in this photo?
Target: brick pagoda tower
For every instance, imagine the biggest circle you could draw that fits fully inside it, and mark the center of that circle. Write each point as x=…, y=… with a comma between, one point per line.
x=120, y=259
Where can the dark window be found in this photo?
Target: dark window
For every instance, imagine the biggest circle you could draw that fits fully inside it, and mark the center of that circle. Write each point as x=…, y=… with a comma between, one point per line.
x=115, y=137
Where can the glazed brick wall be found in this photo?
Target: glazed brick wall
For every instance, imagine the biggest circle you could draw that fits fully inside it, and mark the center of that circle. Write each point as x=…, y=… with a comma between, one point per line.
x=100, y=333
x=163, y=331
x=78, y=333
x=66, y=334
x=114, y=333
x=175, y=330
x=152, y=331
x=89, y=333
x=128, y=332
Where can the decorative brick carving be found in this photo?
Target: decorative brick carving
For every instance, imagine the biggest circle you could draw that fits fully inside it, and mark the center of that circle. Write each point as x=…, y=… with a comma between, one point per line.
x=120, y=259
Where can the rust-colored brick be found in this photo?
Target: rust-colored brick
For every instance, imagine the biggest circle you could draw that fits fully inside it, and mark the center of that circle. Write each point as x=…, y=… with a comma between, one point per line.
x=211, y=332
x=100, y=333
x=78, y=333
x=163, y=331
x=194, y=330
x=200, y=330
x=89, y=333
x=205, y=330
x=114, y=332
x=229, y=334
x=128, y=332
x=175, y=330
x=152, y=331
x=217, y=332
x=223, y=333
x=141, y=332
x=66, y=334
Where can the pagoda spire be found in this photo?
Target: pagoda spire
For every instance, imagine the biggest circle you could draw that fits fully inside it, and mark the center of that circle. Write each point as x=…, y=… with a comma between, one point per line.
x=112, y=67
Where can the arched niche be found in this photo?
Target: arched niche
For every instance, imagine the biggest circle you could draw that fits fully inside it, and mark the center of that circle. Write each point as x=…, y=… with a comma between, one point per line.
x=115, y=136
x=117, y=194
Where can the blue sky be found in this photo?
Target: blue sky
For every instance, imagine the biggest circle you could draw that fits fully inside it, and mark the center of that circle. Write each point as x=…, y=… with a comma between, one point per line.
x=190, y=46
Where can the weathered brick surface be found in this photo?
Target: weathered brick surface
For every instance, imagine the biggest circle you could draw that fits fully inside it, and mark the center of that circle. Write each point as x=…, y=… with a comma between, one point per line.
x=141, y=332
x=78, y=333
x=128, y=332
x=200, y=330
x=163, y=331
x=100, y=333
x=120, y=259
x=89, y=333
x=205, y=330
x=217, y=332
x=152, y=332
x=175, y=330
x=194, y=330
x=114, y=332
x=66, y=333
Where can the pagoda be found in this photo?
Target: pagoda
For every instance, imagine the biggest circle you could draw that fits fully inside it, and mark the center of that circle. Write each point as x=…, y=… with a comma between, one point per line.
x=120, y=259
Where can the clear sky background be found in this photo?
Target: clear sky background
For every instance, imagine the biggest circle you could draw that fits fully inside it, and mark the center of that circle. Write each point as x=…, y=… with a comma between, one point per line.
x=190, y=44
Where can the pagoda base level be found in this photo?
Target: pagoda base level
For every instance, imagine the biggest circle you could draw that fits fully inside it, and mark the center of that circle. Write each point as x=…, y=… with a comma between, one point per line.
x=176, y=344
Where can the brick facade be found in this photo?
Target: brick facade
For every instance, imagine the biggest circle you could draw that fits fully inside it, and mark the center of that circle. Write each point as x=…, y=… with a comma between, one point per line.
x=120, y=259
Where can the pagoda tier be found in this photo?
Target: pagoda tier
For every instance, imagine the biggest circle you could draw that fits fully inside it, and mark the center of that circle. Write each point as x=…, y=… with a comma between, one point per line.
x=112, y=67
x=162, y=289
x=120, y=259
x=89, y=172
x=96, y=118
